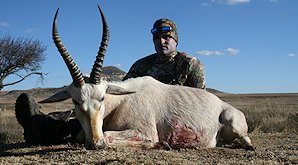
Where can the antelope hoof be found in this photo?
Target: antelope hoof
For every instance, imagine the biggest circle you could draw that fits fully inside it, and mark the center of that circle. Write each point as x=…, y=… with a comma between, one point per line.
x=96, y=146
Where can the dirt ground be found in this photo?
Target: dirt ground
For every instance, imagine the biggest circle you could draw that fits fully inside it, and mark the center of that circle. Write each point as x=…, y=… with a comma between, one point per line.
x=271, y=148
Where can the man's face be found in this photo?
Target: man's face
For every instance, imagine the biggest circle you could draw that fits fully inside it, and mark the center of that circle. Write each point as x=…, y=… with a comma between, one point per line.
x=164, y=45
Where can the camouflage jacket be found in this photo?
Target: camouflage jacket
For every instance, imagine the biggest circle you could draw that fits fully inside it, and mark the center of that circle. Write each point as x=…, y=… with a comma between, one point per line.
x=183, y=69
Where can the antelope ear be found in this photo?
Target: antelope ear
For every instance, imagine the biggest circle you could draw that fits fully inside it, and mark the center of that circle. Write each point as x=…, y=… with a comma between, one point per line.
x=115, y=90
x=60, y=96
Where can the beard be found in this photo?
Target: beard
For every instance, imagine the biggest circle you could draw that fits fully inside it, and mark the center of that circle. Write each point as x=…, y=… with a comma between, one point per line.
x=164, y=50
x=165, y=54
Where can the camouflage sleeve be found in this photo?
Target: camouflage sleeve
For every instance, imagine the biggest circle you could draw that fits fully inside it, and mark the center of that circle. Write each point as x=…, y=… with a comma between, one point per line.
x=196, y=76
x=134, y=71
x=140, y=67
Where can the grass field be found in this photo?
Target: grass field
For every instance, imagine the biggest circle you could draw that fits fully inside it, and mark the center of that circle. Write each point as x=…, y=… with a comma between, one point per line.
x=272, y=120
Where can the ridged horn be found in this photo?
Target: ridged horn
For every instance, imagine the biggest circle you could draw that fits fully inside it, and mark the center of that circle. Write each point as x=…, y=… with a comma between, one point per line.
x=76, y=74
x=97, y=67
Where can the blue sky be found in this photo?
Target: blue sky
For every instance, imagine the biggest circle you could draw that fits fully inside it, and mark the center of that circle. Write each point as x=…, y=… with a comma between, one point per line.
x=247, y=46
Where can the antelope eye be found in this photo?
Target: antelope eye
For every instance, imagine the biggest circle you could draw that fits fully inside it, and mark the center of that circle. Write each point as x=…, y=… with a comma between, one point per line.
x=101, y=99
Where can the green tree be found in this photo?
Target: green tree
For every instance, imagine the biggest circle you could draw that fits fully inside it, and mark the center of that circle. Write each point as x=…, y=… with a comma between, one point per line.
x=18, y=55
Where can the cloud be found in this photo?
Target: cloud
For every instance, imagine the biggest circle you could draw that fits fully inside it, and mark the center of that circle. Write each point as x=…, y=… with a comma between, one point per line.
x=209, y=52
x=209, y=3
x=232, y=51
x=292, y=54
x=3, y=24
x=274, y=1
x=228, y=51
x=227, y=2
x=235, y=2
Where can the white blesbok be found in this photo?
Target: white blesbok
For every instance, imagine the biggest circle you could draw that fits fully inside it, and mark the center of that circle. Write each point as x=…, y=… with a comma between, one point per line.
x=143, y=111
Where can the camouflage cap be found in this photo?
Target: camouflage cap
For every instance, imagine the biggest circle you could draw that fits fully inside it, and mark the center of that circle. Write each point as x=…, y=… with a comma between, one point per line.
x=166, y=22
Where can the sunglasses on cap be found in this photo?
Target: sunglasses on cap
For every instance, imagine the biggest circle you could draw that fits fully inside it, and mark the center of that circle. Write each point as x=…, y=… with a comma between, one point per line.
x=163, y=29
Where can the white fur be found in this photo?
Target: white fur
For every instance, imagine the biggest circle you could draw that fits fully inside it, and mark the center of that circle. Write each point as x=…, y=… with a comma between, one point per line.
x=152, y=109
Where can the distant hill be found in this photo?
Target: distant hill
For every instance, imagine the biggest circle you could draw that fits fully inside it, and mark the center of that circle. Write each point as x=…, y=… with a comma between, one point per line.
x=34, y=91
x=112, y=70
x=112, y=73
x=211, y=90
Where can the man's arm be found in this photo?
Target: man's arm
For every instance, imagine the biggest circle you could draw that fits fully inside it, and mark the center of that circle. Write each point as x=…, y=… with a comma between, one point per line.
x=133, y=72
x=139, y=68
x=196, y=76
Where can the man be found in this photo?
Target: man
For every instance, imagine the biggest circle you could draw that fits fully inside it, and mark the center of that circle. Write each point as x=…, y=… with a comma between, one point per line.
x=166, y=65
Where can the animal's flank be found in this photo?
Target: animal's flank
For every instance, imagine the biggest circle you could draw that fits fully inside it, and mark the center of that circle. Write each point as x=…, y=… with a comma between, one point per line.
x=182, y=136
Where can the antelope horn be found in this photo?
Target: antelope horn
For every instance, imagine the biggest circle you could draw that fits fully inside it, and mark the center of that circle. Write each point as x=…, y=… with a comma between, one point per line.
x=76, y=74
x=96, y=70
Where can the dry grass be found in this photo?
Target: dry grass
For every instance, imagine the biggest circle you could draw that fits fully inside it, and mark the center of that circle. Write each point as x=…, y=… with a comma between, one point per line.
x=10, y=130
x=267, y=113
x=272, y=118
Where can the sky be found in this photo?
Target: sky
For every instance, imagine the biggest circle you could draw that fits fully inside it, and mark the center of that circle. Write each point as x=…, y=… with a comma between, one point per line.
x=246, y=46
